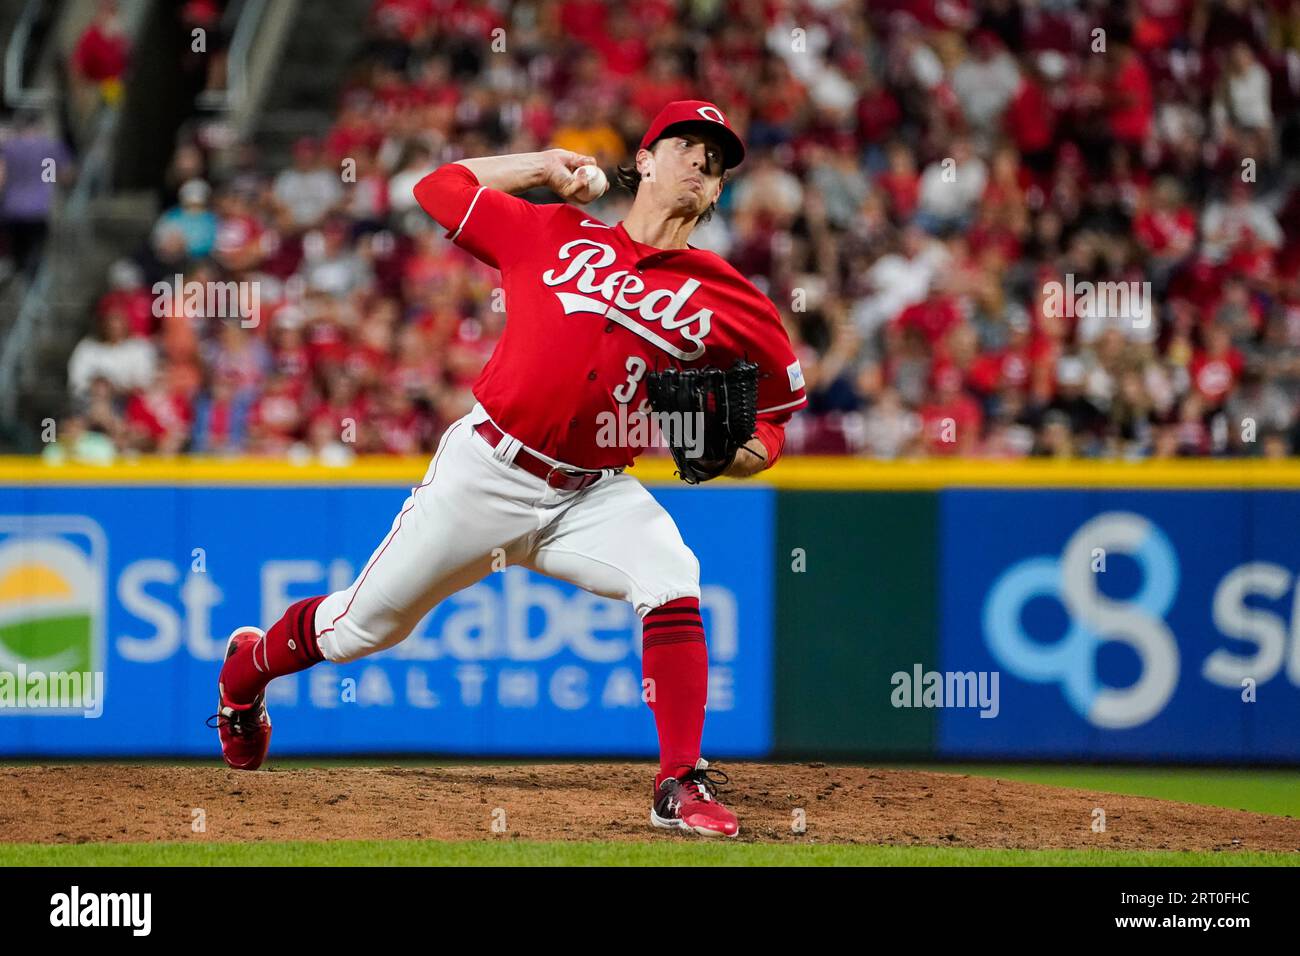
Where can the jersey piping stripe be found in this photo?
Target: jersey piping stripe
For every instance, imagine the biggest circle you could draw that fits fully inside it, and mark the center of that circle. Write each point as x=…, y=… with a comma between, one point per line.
x=389, y=540
x=778, y=408
x=472, y=203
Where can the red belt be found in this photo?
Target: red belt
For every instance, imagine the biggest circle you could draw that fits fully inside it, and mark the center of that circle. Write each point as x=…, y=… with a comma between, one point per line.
x=557, y=476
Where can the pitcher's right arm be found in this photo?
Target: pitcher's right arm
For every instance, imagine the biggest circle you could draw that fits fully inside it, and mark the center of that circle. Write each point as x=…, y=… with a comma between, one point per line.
x=473, y=199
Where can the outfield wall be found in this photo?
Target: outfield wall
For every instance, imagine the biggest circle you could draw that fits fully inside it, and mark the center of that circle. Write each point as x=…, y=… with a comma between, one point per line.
x=1137, y=612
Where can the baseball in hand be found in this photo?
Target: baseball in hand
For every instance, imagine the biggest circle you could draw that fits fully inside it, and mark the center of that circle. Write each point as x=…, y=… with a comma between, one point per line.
x=592, y=183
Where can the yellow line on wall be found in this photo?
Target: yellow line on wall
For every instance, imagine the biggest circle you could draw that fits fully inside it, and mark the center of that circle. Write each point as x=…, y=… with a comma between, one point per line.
x=808, y=473
x=835, y=474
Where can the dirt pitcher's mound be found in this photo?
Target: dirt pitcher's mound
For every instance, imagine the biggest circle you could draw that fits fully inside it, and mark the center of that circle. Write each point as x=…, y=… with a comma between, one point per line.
x=97, y=802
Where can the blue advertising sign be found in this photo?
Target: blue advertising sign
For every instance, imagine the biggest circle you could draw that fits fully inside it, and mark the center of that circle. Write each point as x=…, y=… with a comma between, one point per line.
x=137, y=588
x=1157, y=625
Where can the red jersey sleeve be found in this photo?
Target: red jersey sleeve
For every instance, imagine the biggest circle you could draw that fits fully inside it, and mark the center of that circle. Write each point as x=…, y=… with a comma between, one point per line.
x=773, y=439
x=494, y=227
x=780, y=378
x=781, y=390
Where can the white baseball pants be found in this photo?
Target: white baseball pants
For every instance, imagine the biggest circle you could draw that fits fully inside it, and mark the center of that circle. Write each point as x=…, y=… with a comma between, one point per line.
x=474, y=513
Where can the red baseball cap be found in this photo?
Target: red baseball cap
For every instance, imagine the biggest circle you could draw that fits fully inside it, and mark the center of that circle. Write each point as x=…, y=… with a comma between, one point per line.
x=681, y=112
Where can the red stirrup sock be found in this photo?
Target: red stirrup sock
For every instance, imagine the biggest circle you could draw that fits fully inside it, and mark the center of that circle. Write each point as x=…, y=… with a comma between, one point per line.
x=676, y=660
x=288, y=647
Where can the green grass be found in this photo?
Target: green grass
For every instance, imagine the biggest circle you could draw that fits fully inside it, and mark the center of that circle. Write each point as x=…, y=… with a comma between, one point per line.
x=668, y=851
x=1260, y=791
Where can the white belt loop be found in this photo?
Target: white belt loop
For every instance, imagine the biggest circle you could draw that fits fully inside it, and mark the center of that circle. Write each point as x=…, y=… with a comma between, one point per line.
x=506, y=449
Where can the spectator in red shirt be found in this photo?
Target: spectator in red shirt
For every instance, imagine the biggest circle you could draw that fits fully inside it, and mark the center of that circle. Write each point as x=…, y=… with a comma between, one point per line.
x=242, y=239
x=128, y=295
x=584, y=19
x=901, y=182
x=275, y=418
x=934, y=316
x=1159, y=24
x=622, y=47
x=102, y=52
x=663, y=83
x=98, y=62
x=878, y=112
x=400, y=427
x=1215, y=370
x=1030, y=119
x=158, y=418
x=1129, y=97
x=355, y=131
x=1165, y=225
x=1005, y=368
x=950, y=419
x=347, y=408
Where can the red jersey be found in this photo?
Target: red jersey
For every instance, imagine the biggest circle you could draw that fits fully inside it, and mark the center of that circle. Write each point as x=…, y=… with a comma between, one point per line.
x=590, y=311
x=101, y=54
x=1215, y=376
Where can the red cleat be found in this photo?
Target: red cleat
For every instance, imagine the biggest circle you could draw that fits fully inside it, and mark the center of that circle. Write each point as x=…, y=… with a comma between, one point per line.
x=690, y=803
x=245, y=729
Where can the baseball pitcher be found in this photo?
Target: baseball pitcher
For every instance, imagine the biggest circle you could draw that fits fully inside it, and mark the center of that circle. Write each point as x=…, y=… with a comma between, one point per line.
x=605, y=323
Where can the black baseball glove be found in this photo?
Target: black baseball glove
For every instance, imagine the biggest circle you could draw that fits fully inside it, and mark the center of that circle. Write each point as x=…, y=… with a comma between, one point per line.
x=706, y=415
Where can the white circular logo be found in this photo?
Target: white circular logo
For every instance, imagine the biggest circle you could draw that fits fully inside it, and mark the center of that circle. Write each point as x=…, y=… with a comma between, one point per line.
x=1095, y=619
x=712, y=113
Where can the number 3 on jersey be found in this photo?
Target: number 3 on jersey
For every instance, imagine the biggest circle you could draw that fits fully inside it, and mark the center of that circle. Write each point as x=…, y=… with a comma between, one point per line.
x=636, y=368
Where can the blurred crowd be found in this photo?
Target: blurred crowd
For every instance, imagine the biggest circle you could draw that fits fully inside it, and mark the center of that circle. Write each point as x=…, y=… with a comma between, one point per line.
x=922, y=174
x=36, y=161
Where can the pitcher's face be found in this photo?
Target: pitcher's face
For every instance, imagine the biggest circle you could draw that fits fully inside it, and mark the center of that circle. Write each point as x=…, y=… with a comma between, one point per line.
x=685, y=172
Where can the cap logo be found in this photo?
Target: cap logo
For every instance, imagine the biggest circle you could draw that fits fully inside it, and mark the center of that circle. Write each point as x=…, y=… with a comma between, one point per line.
x=712, y=113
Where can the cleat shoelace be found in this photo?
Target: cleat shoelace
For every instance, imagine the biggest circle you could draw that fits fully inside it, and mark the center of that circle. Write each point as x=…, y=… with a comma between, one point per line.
x=236, y=721
x=706, y=781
